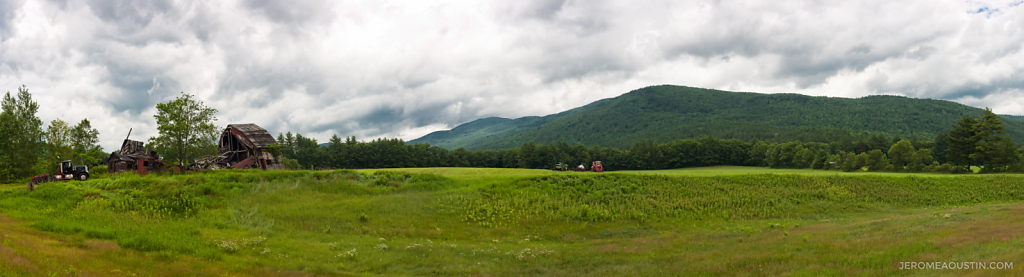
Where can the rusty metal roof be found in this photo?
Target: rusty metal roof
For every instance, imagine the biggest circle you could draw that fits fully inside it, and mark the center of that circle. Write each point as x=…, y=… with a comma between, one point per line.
x=256, y=134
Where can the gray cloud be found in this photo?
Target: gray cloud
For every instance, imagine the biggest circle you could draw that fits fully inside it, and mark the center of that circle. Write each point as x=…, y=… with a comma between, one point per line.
x=7, y=12
x=386, y=69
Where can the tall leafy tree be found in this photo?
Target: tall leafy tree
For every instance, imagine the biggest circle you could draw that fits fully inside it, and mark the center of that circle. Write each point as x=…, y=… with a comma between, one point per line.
x=962, y=142
x=186, y=129
x=85, y=143
x=58, y=142
x=1003, y=154
x=21, y=135
x=528, y=155
x=645, y=154
x=901, y=153
x=876, y=160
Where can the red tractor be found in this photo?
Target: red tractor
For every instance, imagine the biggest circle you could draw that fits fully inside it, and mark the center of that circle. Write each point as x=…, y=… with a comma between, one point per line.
x=596, y=166
x=66, y=171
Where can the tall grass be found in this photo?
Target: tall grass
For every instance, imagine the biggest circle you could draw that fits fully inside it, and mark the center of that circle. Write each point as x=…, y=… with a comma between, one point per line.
x=647, y=197
x=390, y=222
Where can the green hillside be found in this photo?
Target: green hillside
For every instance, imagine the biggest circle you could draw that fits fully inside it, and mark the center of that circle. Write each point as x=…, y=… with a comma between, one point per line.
x=665, y=113
x=475, y=133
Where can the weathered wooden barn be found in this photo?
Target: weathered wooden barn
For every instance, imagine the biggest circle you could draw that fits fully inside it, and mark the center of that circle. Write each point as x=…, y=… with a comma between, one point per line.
x=245, y=146
x=133, y=156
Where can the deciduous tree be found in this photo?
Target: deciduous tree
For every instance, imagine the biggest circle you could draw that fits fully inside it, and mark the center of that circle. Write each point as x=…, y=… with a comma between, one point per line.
x=58, y=142
x=21, y=135
x=84, y=141
x=186, y=129
x=901, y=153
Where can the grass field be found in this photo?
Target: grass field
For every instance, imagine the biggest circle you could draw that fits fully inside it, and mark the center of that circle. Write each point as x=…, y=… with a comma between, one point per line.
x=498, y=222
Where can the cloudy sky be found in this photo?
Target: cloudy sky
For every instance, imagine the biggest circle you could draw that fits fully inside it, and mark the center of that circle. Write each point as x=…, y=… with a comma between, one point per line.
x=405, y=68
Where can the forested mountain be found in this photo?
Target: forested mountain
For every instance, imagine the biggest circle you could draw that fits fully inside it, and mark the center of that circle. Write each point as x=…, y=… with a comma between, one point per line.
x=473, y=134
x=1012, y=118
x=665, y=113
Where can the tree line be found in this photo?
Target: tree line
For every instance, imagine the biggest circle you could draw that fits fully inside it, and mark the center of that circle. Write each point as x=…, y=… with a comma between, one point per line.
x=27, y=149
x=971, y=142
x=186, y=131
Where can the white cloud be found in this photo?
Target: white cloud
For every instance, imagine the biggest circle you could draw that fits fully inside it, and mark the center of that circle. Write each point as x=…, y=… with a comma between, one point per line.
x=406, y=68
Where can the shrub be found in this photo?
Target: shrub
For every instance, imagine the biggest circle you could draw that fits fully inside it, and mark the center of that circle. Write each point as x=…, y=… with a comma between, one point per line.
x=1017, y=168
x=959, y=170
x=98, y=171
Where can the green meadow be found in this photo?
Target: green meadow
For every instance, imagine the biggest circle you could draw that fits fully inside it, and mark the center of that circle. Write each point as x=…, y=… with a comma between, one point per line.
x=715, y=221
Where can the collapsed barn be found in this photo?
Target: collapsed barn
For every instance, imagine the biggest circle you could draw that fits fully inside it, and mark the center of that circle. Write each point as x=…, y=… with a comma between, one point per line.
x=246, y=146
x=133, y=156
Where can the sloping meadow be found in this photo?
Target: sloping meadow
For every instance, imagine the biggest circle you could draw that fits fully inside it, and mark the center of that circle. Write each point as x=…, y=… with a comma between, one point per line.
x=345, y=221
x=646, y=197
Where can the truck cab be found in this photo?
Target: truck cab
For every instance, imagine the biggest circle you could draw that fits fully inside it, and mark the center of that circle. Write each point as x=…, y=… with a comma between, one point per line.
x=67, y=171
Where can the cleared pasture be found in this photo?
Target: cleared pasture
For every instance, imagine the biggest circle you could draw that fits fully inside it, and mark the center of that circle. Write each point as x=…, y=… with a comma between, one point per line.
x=512, y=222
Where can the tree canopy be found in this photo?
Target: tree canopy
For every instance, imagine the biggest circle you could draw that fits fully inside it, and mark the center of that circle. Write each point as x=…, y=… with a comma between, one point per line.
x=186, y=130
x=21, y=135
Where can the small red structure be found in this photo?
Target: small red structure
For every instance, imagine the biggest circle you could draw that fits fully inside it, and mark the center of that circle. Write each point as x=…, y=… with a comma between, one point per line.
x=596, y=166
x=134, y=157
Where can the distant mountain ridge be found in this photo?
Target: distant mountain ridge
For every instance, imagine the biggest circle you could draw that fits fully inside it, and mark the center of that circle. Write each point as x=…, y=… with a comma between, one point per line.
x=665, y=113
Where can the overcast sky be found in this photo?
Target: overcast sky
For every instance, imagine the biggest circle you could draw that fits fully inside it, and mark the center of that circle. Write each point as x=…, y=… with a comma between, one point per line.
x=403, y=69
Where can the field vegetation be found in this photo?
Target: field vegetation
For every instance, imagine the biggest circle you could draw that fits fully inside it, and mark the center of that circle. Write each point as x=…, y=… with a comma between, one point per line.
x=471, y=221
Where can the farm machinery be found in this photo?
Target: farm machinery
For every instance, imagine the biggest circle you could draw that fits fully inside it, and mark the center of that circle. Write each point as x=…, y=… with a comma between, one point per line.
x=567, y=167
x=66, y=171
x=596, y=166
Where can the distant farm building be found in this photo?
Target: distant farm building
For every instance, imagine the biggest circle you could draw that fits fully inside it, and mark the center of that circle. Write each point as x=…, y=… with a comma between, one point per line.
x=133, y=156
x=245, y=146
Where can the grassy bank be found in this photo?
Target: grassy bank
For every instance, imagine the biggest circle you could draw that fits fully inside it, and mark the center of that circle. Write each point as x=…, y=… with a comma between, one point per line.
x=459, y=221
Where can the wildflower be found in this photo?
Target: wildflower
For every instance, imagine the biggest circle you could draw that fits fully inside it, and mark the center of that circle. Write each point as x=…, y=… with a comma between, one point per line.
x=350, y=253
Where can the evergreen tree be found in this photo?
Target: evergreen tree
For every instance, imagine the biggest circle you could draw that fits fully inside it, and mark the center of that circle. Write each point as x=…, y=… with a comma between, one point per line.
x=941, y=143
x=987, y=140
x=962, y=142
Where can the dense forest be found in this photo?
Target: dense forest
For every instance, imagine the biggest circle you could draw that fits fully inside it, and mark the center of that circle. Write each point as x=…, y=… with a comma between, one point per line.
x=971, y=142
x=666, y=113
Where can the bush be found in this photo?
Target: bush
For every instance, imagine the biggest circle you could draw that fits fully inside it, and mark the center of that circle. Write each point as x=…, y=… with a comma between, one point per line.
x=1016, y=168
x=916, y=167
x=291, y=164
x=98, y=171
x=959, y=170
